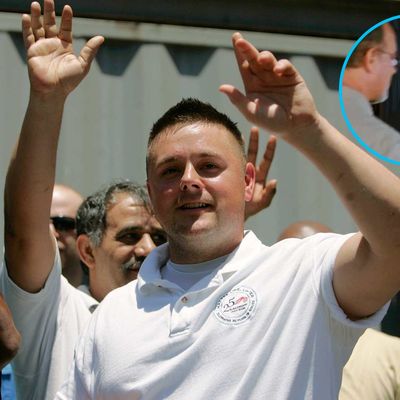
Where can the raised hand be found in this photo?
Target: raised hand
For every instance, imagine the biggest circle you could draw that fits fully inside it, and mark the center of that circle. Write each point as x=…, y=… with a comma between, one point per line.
x=264, y=191
x=276, y=97
x=53, y=67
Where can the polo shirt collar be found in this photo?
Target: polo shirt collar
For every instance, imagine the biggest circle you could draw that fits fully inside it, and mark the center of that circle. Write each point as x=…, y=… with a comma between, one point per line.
x=150, y=274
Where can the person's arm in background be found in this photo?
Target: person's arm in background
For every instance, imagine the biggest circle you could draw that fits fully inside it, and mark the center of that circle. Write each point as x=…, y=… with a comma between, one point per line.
x=264, y=190
x=367, y=268
x=10, y=338
x=54, y=71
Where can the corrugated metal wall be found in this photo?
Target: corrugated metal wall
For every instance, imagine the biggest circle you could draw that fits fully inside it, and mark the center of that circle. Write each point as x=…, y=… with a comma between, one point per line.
x=141, y=71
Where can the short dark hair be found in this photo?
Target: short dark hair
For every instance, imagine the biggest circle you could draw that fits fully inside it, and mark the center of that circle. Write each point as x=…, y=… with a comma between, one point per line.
x=91, y=218
x=192, y=110
x=374, y=38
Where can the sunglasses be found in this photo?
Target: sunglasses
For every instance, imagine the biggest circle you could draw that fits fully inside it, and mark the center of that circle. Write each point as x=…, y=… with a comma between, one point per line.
x=63, y=224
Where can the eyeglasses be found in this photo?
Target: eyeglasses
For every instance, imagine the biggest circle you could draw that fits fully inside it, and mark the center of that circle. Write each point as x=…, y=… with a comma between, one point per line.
x=394, y=57
x=62, y=223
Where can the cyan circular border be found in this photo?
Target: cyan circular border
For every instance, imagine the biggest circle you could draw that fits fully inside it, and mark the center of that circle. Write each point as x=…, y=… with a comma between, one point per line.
x=353, y=132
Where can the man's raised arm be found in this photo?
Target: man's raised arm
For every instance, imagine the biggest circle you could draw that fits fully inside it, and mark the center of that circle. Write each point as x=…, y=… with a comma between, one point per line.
x=54, y=71
x=367, y=268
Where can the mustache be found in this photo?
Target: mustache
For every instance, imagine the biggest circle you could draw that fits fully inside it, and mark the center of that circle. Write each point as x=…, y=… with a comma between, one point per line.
x=132, y=265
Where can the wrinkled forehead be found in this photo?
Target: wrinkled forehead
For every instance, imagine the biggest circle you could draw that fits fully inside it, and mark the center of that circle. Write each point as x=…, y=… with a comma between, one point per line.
x=126, y=209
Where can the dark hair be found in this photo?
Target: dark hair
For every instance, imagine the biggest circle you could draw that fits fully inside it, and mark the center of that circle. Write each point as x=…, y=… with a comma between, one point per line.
x=192, y=110
x=91, y=218
x=374, y=38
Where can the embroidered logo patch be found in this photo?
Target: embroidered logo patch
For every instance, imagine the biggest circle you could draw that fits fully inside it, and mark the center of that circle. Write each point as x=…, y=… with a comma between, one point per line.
x=237, y=306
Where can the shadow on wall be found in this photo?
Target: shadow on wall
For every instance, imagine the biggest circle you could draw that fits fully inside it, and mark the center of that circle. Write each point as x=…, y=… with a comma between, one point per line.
x=330, y=71
x=115, y=56
x=190, y=60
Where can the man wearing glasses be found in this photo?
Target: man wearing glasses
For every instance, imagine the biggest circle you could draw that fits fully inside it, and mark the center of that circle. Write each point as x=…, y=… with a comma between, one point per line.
x=64, y=206
x=366, y=81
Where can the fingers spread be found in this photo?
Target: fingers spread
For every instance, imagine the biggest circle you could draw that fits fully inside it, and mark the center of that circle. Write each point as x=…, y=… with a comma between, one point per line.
x=27, y=33
x=253, y=146
x=66, y=25
x=90, y=49
x=36, y=21
x=49, y=19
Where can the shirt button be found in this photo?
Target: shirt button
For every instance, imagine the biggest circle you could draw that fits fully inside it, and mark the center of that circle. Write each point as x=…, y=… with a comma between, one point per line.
x=184, y=299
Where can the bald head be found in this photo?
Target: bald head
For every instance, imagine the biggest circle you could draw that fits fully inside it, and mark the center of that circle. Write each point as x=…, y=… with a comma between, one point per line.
x=65, y=202
x=303, y=229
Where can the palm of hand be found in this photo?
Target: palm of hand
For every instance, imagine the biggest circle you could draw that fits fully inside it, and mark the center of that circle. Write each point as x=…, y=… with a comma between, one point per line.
x=52, y=64
x=276, y=97
x=281, y=105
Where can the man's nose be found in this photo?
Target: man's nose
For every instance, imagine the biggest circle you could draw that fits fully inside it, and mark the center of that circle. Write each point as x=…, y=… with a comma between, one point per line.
x=144, y=246
x=190, y=180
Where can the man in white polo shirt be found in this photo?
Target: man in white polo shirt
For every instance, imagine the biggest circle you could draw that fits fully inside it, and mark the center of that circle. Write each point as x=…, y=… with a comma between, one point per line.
x=214, y=313
x=115, y=226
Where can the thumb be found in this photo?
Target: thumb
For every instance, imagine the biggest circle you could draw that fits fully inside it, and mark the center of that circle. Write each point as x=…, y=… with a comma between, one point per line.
x=90, y=49
x=237, y=98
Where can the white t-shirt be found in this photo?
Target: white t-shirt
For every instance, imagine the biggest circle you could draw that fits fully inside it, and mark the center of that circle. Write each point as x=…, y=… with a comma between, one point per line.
x=265, y=326
x=50, y=322
x=186, y=275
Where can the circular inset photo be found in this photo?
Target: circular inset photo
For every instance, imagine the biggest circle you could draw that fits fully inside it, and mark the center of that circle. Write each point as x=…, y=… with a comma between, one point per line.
x=369, y=90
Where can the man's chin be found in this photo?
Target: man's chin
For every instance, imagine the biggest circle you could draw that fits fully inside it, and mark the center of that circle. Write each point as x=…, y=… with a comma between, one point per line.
x=195, y=230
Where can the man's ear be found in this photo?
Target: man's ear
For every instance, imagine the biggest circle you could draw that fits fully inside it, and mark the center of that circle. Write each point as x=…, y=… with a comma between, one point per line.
x=250, y=179
x=148, y=188
x=85, y=251
x=370, y=60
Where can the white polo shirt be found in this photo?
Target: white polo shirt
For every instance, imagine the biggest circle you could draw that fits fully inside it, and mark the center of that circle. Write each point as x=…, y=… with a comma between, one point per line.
x=264, y=326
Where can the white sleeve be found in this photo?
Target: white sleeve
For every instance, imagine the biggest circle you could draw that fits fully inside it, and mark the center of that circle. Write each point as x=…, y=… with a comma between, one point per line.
x=35, y=316
x=324, y=256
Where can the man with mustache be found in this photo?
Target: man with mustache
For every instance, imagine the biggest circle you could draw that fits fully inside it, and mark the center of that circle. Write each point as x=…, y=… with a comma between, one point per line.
x=116, y=231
